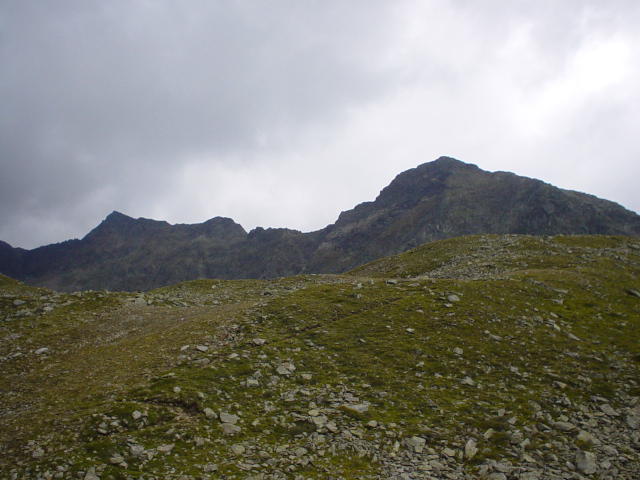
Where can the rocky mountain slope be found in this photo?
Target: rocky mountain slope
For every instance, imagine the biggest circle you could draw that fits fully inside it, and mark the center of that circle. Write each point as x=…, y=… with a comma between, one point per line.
x=441, y=199
x=481, y=357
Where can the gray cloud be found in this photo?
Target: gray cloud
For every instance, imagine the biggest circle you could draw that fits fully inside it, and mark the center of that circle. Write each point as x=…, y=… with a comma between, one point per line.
x=283, y=113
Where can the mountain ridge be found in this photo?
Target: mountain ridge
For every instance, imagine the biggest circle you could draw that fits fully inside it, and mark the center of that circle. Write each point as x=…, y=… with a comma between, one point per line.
x=436, y=200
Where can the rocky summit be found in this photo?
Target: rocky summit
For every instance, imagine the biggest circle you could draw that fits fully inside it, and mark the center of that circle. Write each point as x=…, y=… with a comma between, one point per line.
x=489, y=357
x=442, y=199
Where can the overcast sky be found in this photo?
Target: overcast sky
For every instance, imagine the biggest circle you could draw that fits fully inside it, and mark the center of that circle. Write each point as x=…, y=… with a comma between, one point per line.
x=285, y=113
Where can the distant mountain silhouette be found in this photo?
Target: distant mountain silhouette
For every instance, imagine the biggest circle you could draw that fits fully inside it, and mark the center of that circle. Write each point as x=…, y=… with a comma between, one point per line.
x=440, y=199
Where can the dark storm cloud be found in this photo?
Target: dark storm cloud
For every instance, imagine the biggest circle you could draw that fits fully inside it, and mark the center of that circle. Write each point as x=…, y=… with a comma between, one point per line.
x=283, y=113
x=128, y=77
x=95, y=92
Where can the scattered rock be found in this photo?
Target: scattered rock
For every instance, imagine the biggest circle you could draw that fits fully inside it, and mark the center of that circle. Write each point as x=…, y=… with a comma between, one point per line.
x=470, y=448
x=230, y=429
x=417, y=443
x=633, y=421
x=535, y=406
x=137, y=450
x=609, y=410
x=468, y=381
x=587, y=438
x=229, y=418
x=358, y=407
x=252, y=382
x=237, y=449
x=586, y=462
x=165, y=448
x=448, y=452
x=209, y=413
x=91, y=474
x=564, y=426
x=286, y=368
x=496, y=476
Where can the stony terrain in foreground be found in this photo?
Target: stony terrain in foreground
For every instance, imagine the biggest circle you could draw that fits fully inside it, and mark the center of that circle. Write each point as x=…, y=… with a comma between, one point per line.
x=483, y=357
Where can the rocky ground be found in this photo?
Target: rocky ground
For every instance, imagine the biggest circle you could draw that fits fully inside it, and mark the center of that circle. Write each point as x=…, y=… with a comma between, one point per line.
x=485, y=357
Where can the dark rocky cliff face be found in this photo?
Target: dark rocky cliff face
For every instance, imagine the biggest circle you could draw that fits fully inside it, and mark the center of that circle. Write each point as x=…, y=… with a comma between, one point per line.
x=447, y=198
x=441, y=199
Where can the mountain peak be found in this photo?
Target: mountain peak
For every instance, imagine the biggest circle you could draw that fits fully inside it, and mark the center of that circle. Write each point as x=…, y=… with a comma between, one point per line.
x=449, y=161
x=443, y=164
x=413, y=185
x=116, y=217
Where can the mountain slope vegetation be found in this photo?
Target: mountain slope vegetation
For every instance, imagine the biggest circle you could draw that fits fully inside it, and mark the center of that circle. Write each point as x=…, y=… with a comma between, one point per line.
x=486, y=356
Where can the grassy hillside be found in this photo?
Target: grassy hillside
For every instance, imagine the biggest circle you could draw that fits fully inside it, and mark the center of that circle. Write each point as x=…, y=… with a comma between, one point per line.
x=484, y=356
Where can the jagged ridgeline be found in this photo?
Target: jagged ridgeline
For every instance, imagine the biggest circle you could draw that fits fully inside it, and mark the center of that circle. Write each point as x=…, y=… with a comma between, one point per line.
x=488, y=357
x=437, y=200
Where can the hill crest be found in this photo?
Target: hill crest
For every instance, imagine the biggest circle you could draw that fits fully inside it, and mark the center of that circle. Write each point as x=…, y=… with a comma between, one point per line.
x=484, y=357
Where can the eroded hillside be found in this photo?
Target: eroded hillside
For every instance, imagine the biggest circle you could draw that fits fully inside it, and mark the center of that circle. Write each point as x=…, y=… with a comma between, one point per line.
x=477, y=357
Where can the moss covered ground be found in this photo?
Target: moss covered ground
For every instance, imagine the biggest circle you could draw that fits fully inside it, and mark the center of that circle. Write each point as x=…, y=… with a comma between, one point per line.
x=511, y=344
